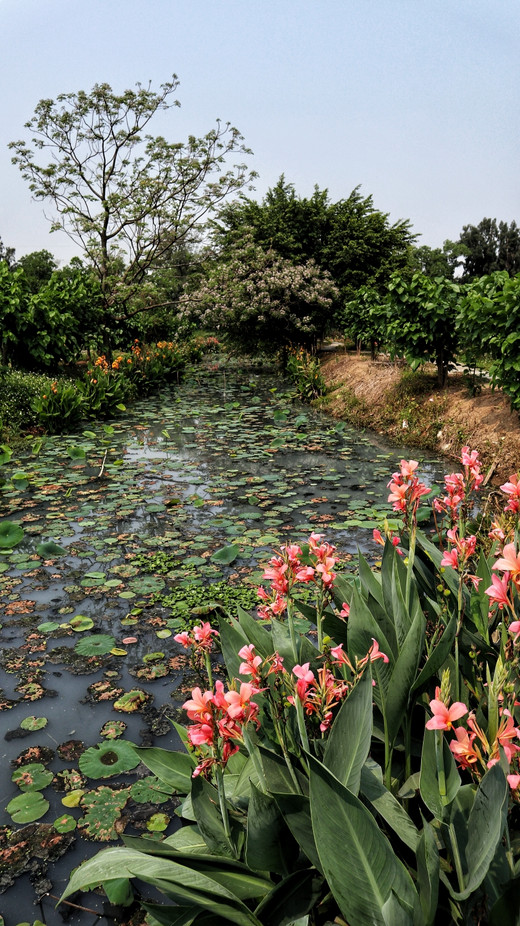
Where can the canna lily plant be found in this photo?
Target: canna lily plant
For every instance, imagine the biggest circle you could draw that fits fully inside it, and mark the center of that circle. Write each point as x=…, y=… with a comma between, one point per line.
x=360, y=765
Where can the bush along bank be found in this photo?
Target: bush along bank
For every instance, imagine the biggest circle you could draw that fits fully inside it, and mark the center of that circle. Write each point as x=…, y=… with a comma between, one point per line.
x=101, y=390
x=380, y=718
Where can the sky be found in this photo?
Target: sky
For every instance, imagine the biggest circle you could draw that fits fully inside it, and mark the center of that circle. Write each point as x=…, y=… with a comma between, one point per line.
x=415, y=101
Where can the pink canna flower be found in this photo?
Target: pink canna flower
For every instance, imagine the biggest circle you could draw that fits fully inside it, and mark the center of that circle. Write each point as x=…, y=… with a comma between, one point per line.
x=513, y=781
x=498, y=591
x=199, y=706
x=450, y=558
x=345, y=610
x=184, y=639
x=203, y=634
x=514, y=630
x=443, y=716
x=462, y=748
x=509, y=561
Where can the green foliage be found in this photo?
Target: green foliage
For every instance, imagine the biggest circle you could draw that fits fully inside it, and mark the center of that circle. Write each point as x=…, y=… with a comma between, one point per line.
x=489, y=323
x=18, y=392
x=420, y=320
x=488, y=247
x=38, y=267
x=350, y=239
x=304, y=370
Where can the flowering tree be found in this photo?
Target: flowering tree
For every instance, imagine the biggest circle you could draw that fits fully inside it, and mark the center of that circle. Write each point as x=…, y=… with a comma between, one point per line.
x=263, y=301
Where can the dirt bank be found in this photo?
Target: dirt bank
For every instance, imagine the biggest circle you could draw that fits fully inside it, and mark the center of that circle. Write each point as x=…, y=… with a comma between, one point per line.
x=410, y=407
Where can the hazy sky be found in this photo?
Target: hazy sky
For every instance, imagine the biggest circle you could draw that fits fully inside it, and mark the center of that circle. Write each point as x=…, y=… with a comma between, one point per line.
x=415, y=100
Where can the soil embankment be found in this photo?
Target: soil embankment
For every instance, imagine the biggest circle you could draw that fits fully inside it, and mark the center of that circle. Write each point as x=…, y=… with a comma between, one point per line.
x=410, y=407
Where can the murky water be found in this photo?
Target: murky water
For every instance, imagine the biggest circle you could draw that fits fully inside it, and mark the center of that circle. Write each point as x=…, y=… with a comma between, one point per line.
x=225, y=458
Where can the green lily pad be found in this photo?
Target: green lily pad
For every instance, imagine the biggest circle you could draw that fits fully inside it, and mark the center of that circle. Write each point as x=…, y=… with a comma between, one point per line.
x=32, y=777
x=33, y=723
x=131, y=701
x=65, y=824
x=108, y=759
x=27, y=807
x=150, y=790
x=157, y=823
x=97, y=645
x=81, y=622
x=11, y=535
x=112, y=729
x=50, y=549
x=226, y=555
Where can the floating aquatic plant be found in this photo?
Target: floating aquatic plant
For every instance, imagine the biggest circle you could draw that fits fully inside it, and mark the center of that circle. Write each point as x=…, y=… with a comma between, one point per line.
x=108, y=759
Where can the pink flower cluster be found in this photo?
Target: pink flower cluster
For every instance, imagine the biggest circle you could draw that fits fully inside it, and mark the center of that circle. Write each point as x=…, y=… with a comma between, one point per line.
x=512, y=489
x=471, y=748
x=320, y=695
x=459, y=486
x=286, y=568
x=406, y=489
x=200, y=640
x=218, y=717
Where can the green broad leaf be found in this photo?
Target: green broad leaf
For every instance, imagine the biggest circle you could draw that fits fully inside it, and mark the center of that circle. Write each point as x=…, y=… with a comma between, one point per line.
x=363, y=874
x=27, y=807
x=269, y=844
x=486, y=823
x=386, y=805
x=370, y=581
x=396, y=913
x=349, y=740
x=179, y=882
x=5, y=454
x=296, y=811
x=205, y=803
x=396, y=697
x=89, y=434
x=291, y=899
x=50, y=549
x=122, y=408
x=438, y=791
x=11, y=535
x=439, y=655
x=76, y=453
x=226, y=555
x=166, y=915
x=186, y=839
x=363, y=628
x=119, y=891
x=81, y=622
x=20, y=480
x=255, y=633
x=428, y=867
x=65, y=824
x=174, y=768
x=232, y=639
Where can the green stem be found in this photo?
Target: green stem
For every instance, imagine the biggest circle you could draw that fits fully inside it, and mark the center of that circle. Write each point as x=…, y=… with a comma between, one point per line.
x=286, y=756
x=456, y=696
x=292, y=631
x=411, y=560
x=223, y=807
x=255, y=758
x=456, y=857
x=207, y=663
x=440, y=763
x=301, y=723
x=388, y=758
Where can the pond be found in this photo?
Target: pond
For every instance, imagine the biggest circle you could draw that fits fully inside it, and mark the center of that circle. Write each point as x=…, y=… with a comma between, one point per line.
x=199, y=483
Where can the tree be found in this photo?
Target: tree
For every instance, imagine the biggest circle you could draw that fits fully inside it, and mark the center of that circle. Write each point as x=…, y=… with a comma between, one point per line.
x=38, y=267
x=125, y=196
x=490, y=246
x=351, y=239
x=262, y=301
x=420, y=320
x=6, y=254
x=436, y=262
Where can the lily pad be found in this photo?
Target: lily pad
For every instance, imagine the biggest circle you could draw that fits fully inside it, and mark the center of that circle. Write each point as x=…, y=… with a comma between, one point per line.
x=132, y=701
x=27, y=807
x=97, y=645
x=81, y=622
x=157, y=823
x=49, y=550
x=33, y=723
x=226, y=555
x=11, y=535
x=65, y=824
x=108, y=759
x=32, y=777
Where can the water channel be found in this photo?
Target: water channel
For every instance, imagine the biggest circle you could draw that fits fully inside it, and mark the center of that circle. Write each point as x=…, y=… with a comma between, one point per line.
x=226, y=459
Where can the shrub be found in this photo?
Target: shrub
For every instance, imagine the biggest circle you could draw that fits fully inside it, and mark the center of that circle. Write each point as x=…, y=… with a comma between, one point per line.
x=18, y=392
